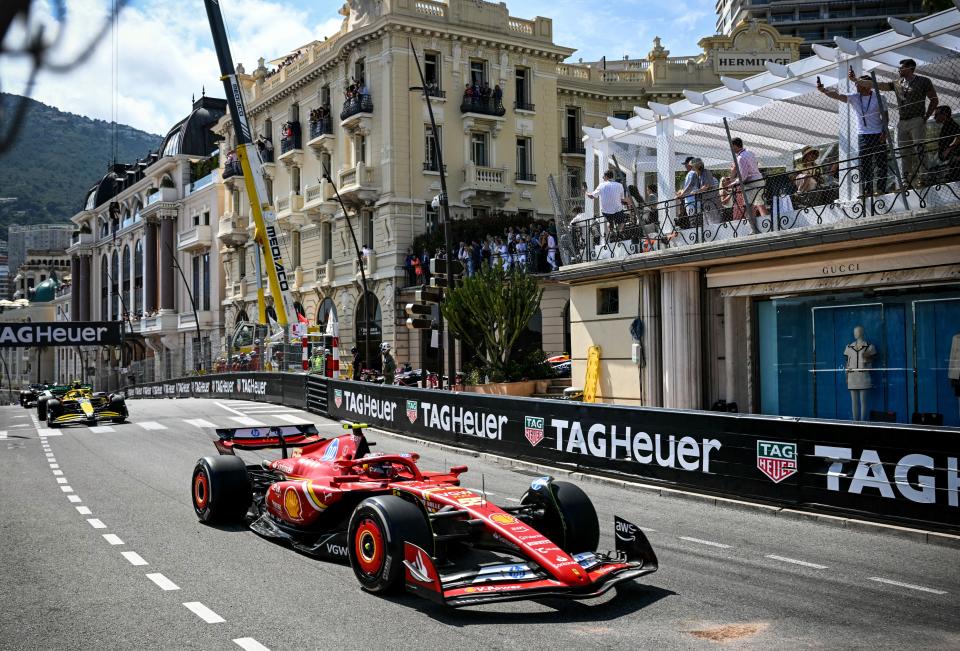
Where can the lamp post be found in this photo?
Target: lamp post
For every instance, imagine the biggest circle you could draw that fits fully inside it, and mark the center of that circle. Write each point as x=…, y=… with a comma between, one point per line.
x=363, y=272
x=193, y=305
x=445, y=211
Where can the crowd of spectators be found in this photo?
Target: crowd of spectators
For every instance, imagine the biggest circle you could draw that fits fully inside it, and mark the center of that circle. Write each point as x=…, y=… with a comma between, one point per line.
x=356, y=88
x=531, y=249
x=288, y=60
x=481, y=94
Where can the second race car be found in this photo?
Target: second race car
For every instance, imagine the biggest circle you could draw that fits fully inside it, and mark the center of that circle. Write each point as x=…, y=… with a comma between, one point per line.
x=398, y=525
x=81, y=405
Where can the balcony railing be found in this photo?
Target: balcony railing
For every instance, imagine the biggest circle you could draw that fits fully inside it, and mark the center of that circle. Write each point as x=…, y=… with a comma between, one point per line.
x=432, y=166
x=436, y=92
x=527, y=177
x=356, y=105
x=524, y=106
x=291, y=141
x=483, y=106
x=845, y=194
x=570, y=146
x=232, y=169
x=321, y=127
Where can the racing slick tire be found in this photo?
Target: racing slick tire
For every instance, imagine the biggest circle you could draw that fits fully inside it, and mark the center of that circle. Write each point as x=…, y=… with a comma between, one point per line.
x=42, y=409
x=51, y=409
x=119, y=405
x=571, y=521
x=220, y=490
x=378, y=529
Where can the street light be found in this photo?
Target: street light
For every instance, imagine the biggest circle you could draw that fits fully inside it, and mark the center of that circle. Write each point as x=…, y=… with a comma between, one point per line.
x=193, y=305
x=445, y=206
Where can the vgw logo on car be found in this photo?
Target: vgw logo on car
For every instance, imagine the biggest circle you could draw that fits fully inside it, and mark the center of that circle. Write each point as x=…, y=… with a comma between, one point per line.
x=533, y=429
x=412, y=410
x=777, y=460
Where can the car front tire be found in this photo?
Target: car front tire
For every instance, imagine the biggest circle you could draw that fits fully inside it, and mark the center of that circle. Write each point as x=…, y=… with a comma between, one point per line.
x=570, y=521
x=378, y=529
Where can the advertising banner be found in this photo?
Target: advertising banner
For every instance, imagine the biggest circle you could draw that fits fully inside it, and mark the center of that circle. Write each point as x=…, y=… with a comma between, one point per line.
x=60, y=333
x=890, y=472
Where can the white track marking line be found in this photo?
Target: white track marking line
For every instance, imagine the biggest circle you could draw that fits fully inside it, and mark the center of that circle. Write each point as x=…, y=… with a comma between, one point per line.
x=134, y=558
x=83, y=510
x=230, y=409
x=22, y=416
x=906, y=585
x=246, y=421
x=249, y=644
x=784, y=559
x=74, y=498
x=56, y=472
x=19, y=425
x=203, y=612
x=3, y=434
x=102, y=429
x=198, y=422
x=112, y=538
x=709, y=543
x=163, y=582
x=61, y=480
x=151, y=425
x=48, y=432
x=296, y=420
x=96, y=524
x=512, y=499
x=66, y=489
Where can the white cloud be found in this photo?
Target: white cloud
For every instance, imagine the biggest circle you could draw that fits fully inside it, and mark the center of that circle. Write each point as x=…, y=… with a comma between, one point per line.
x=164, y=55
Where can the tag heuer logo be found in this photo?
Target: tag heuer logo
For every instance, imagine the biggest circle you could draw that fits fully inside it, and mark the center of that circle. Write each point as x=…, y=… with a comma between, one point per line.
x=533, y=429
x=412, y=411
x=777, y=460
x=337, y=397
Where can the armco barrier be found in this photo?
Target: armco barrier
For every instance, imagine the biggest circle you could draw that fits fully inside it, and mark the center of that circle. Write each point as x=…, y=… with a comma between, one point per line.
x=883, y=472
x=891, y=473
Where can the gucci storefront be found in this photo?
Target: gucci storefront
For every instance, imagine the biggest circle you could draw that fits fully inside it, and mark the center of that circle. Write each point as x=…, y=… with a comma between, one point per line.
x=873, y=336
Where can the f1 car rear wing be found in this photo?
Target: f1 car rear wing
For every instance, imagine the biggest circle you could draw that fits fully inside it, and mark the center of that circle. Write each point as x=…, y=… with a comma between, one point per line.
x=263, y=438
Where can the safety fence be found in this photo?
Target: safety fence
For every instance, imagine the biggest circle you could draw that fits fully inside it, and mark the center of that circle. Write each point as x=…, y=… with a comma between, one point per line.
x=884, y=472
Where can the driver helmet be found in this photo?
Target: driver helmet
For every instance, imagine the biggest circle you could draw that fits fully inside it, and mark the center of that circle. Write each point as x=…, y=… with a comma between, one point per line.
x=381, y=471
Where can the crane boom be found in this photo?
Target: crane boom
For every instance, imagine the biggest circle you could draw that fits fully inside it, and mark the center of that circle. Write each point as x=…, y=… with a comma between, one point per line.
x=267, y=235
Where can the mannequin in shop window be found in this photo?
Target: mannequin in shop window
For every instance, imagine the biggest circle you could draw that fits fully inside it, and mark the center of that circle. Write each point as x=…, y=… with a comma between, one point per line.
x=953, y=368
x=859, y=355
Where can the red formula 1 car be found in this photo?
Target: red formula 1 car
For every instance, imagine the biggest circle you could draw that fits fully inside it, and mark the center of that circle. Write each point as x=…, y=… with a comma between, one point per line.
x=399, y=525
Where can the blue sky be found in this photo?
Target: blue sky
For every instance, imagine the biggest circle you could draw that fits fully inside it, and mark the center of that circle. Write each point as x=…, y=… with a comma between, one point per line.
x=164, y=54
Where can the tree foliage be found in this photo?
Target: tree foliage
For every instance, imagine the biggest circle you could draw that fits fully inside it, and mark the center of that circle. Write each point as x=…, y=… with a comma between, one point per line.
x=490, y=310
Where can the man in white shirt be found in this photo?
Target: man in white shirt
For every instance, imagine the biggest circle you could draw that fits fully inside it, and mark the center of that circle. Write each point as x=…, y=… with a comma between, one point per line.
x=611, y=198
x=751, y=179
x=871, y=133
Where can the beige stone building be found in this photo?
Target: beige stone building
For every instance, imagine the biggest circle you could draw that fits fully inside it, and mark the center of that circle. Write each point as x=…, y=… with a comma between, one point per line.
x=498, y=155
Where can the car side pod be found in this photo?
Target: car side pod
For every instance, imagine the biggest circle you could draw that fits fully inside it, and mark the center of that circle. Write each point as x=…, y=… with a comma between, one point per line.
x=633, y=543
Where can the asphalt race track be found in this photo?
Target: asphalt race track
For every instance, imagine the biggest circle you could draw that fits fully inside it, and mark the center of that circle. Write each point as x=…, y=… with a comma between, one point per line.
x=101, y=550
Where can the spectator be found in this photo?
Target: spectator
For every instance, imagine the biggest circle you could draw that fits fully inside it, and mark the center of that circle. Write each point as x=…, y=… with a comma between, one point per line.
x=809, y=175
x=912, y=92
x=497, y=96
x=948, y=145
x=707, y=196
x=731, y=200
x=409, y=264
x=688, y=193
x=357, y=364
x=612, y=202
x=552, y=249
x=750, y=181
x=871, y=136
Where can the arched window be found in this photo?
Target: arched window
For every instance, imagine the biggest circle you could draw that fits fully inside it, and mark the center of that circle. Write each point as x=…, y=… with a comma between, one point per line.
x=136, y=211
x=104, y=288
x=126, y=278
x=104, y=227
x=324, y=311
x=138, y=277
x=115, y=309
x=369, y=321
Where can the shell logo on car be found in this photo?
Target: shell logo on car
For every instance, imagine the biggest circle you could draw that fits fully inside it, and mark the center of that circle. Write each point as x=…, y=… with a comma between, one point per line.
x=291, y=504
x=503, y=518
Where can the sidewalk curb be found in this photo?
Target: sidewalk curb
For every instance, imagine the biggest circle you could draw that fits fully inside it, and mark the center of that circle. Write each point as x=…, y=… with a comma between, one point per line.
x=853, y=524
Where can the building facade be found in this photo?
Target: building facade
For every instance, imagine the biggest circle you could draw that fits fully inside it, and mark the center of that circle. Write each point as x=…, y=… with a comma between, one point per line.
x=818, y=22
x=143, y=247
x=377, y=145
x=38, y=237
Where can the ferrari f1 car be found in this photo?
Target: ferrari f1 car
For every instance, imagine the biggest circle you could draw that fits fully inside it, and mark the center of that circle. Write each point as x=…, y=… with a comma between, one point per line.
x=399, y=525
x=82, y=405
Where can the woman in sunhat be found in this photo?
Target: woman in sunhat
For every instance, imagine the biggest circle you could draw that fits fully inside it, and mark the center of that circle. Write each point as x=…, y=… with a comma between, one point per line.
x=810, y=175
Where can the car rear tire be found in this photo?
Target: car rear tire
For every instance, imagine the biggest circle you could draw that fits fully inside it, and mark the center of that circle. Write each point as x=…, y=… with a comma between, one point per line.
x=42, y=409
x=119, y=405
x=571, y=521
x=378, y=529
x=51, y=409
x=220, y=490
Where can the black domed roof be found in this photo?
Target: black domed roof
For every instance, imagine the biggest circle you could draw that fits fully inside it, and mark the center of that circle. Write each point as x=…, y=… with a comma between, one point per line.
x=106, y=188
x=192, y=136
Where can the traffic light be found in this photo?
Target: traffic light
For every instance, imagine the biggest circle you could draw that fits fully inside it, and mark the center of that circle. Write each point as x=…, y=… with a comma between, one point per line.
x=429, y=295
x=421, y=316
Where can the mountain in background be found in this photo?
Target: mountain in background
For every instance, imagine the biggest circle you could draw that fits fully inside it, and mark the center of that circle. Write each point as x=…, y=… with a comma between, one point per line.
x=55, y=158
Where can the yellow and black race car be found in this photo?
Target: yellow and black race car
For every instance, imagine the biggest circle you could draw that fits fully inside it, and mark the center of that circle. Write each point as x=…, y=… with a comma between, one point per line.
x=81, y=405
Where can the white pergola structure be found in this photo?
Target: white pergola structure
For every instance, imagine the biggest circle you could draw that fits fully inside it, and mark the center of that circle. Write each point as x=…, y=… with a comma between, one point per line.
x=776, y=112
